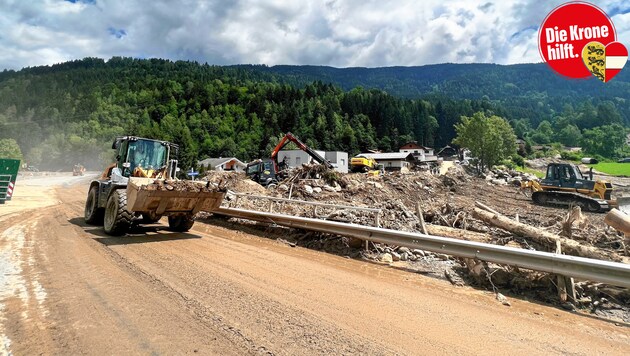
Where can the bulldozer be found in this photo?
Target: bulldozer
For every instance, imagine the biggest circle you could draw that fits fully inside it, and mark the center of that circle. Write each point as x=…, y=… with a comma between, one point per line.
x=141, y=187
x=565, y=185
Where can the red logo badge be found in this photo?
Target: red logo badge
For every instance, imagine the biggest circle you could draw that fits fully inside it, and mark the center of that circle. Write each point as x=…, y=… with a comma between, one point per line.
x=578, y=39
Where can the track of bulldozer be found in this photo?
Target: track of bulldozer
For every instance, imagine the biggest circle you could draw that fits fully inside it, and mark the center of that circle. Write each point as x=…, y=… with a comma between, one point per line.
x=555, y=198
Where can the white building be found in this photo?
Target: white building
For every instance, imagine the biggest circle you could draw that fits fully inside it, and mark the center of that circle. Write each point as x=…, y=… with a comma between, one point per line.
x=420, y=153
x=339, y=160
x=392, y=161
x=223, y=164
x=296, y=158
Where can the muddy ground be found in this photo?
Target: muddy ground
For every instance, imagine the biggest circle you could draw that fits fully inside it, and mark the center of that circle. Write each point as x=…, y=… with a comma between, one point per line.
x=446, y=200
x=228, y=288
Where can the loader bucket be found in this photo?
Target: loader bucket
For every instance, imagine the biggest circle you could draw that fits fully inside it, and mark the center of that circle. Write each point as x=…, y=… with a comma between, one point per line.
x=624, y=204
x=167, y=202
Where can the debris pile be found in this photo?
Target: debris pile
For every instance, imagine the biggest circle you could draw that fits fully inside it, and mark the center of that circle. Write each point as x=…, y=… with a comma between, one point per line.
x=449, y=206
x=181, y=186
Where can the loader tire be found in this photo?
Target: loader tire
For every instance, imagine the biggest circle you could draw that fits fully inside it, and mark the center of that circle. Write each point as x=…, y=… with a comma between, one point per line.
x=92, y=213
x=117, y=217
x=181, y=223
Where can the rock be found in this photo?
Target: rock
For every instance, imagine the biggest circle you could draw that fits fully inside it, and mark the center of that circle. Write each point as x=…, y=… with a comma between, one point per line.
x=453, y=277
x=403, y=249
x=412, y=257
x=395, y=256
x=317, y=190
x=419, y=252
x=501, y=298
x=568, y=306
x=499, y=181
x=283, y=187
x=308, y=189
x=403, y=256
x=387, y=258
x=442, y=256
x=329, y=188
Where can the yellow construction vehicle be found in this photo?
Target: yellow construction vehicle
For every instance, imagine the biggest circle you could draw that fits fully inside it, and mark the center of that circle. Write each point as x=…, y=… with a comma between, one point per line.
x=363, y=164
x=141, y=187
x=564, y=184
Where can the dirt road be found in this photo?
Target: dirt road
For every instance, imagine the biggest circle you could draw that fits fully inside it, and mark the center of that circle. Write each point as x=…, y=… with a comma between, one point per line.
x=65, y=287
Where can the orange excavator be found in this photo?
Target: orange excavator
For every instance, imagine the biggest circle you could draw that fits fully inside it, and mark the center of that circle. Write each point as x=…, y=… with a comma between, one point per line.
x=270, y=171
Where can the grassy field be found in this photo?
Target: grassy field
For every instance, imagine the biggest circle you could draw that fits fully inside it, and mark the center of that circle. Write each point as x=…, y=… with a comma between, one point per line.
x=538, y=174
x=613, y=168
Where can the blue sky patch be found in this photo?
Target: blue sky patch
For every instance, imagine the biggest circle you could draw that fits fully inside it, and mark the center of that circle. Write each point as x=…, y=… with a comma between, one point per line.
x=118, y=33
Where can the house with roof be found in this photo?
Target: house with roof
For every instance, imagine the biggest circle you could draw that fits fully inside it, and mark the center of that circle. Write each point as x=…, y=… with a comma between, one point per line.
x=392, y=161
x=420, y=153
x=223, y=164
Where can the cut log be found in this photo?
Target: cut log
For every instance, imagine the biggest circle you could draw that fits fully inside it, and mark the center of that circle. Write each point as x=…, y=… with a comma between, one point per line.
x=618, y=220
x=460, y=234
x=543, y=237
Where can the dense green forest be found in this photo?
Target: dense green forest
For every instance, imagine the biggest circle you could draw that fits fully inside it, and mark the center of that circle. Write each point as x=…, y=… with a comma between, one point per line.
x=531, y=91
x=69, y=113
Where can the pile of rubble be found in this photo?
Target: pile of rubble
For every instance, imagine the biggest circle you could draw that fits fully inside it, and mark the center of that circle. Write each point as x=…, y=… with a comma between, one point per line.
x=447, y=204
x=508, y=177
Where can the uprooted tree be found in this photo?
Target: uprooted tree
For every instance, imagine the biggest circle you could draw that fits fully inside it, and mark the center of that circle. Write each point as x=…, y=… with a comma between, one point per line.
x=489, y=139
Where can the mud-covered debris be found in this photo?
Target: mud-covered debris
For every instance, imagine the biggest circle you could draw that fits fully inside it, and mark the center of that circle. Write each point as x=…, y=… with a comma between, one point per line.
x=181, y=186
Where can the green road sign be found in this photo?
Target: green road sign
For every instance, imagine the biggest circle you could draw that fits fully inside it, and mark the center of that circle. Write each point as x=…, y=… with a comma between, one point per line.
x=8, y=174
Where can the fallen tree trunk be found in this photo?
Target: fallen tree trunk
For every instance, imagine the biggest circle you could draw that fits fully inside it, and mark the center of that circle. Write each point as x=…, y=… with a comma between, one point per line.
x=460, y=234
x=546, y=238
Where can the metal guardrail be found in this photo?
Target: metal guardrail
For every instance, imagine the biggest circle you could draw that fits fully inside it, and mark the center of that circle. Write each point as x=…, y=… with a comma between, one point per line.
x=590, y=269
x=273, y=200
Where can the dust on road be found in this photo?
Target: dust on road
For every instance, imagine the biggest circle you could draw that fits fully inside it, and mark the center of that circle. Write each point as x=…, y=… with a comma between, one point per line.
x=68, y=288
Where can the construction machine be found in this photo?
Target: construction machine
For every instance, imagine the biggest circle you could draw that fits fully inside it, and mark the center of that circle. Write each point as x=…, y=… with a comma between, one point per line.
x=141, y=187
x=363, y=164
x=564, y=184
x=270, y=171
x=78, y=170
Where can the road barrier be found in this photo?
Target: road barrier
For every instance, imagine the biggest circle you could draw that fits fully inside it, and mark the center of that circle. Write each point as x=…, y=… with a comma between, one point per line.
x=571, y=266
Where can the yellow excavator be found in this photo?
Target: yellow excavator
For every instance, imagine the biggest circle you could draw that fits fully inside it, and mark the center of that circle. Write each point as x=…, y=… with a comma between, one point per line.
x=363, y=164
x=565, y=185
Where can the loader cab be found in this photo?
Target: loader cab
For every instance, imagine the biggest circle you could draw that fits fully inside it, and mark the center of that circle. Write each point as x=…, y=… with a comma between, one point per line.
x=262, y=172
x=566, y=176
x=133, y=152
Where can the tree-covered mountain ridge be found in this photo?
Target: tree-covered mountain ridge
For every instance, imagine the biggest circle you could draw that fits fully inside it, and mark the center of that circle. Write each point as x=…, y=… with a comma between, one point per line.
x=68, y=113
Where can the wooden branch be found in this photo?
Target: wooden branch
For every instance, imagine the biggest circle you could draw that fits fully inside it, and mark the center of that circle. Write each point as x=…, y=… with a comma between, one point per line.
x=485, y=207
x=544, y=237
x=460, y=234
x=421, y=217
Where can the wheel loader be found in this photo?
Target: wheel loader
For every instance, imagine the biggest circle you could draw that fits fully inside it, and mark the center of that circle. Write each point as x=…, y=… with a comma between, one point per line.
x=141, y=187
x=564, y=184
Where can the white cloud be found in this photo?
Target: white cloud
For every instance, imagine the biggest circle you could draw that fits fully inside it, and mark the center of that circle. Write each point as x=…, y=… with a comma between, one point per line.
x=335, y=32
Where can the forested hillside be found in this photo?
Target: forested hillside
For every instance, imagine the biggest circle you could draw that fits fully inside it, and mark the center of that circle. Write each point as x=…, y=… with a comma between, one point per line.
x=531, y=91
x=69, y=113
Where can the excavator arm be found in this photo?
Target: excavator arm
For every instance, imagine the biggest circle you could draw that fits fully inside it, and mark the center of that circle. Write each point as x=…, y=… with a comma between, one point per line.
x=290, y=138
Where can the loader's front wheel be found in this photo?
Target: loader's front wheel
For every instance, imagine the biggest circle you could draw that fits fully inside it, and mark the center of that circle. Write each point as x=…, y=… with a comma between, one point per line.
x=117, y=217
x=181, y=223
x=93, y=214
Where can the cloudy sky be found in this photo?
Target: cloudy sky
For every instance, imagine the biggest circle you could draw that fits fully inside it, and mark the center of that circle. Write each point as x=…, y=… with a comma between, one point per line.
x=340, y=33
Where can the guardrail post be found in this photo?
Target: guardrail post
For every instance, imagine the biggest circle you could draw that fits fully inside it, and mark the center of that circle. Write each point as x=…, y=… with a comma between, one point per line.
x=566, y=287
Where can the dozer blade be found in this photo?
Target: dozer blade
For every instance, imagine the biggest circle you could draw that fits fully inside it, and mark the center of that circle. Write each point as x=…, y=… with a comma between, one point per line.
x=624, y=204
x=143, y=195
